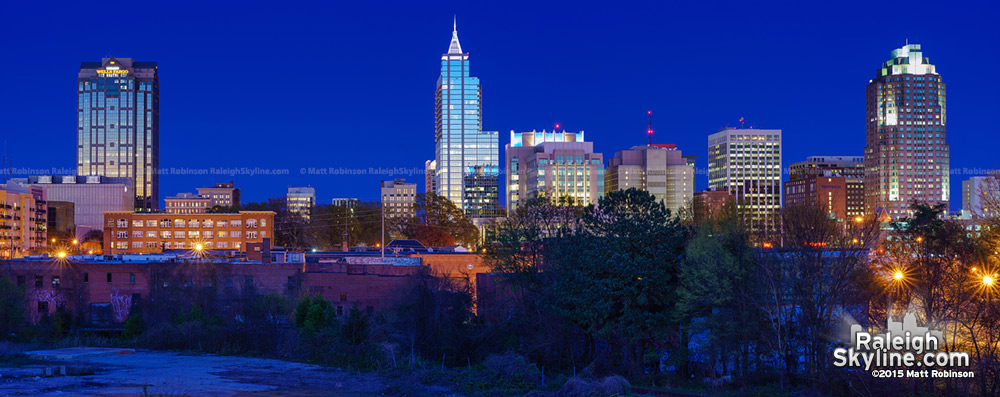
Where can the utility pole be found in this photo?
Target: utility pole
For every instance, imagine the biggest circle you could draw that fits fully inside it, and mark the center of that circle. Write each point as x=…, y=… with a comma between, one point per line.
x=382, y=205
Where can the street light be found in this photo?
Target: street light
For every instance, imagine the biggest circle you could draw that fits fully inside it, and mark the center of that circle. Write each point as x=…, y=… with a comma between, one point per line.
x=858, y=219
x=198, y=247
x=988, y=281
x=898, y=275
x=74, y=242
x=61, y=254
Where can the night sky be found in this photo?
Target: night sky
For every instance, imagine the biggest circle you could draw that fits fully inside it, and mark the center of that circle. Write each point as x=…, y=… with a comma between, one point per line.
x=350, y=85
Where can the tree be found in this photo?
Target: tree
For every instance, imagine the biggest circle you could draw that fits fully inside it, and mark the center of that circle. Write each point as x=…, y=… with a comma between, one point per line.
x=616, y=276
x=440, y=213
x=715, y=296
x=12, y=303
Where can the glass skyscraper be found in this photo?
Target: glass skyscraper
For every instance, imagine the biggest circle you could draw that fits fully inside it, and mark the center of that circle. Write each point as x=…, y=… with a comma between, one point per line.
x=117, y=127
x=463, y=151
x=906, y=156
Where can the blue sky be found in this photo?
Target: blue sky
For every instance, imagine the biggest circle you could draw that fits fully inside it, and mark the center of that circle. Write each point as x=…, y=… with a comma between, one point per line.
x=350, y=85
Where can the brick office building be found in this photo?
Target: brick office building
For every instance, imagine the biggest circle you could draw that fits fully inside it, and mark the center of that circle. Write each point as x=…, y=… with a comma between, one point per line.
x=128, y=232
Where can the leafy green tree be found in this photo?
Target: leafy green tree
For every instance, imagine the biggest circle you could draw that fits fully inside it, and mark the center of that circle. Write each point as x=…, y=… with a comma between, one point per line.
x=355, y=327
x=716, y=294
x=440, y=213
x=616, y=277
x=134, y=325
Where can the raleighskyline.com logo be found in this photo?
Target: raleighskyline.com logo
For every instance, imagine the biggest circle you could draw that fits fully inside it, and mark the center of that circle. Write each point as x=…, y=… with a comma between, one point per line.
x=903, y=351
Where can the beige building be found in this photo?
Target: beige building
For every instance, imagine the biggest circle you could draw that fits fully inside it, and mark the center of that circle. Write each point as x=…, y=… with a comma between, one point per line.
x=399, y=198
x=747, y=163
x=222, y=195
x=91, y=196
x=659, y=169
x=187, y=203
x=556, y=165
x=22, y=220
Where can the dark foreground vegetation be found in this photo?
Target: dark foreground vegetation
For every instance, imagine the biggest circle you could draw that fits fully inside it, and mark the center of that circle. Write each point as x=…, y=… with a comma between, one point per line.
x=601, y=299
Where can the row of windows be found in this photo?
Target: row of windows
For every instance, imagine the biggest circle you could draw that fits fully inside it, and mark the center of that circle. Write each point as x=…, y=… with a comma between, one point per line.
x=180, y=223
x=56, y=280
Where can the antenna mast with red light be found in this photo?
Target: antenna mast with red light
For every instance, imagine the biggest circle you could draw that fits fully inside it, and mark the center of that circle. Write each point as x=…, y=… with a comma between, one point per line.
x=649, y=128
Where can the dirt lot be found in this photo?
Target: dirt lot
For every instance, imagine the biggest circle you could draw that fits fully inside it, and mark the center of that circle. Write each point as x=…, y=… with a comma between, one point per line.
x=177, y=374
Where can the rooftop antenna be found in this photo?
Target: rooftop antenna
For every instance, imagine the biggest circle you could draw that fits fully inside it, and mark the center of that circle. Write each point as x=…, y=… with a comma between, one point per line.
x=454, y=23
x=649, y=127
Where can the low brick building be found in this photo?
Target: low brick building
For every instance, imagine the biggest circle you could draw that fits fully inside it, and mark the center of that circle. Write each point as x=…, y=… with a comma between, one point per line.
x=102, y=288
x=128, y=232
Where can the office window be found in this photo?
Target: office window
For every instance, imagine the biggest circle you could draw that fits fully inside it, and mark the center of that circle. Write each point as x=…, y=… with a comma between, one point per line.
x=131, y=278
x=55, y=282
x=38, y=281
x=109, y=277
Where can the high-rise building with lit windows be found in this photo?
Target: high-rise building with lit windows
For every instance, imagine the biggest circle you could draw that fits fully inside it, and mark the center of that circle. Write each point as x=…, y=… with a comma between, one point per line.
x=555, y=165
x=747, y=163
x=118, y=122
x=822, y=180
x=399, y=199
x=659, y=169
x=463, y=151
x=301, y=200
x=906, y=155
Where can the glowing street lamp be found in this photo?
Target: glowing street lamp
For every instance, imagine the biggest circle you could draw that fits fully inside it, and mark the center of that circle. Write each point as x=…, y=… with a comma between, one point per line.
x=74, y=242
x=898, y=275
x=858, y=219
x=988, y=280
x=61, y=254
x=198, y=247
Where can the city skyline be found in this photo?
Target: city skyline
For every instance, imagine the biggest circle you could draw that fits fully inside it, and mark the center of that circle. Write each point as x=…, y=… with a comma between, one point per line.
x=619, y=123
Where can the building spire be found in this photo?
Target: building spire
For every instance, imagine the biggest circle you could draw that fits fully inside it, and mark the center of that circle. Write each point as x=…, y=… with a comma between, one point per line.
x=454, y=23
x=455, y=47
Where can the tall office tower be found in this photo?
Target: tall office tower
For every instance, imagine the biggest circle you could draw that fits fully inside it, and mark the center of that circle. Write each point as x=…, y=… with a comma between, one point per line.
x=462, y=148
x=300, y=200
x=659, y=169
x=118, y=125
x=399, y=198
x=906, y=155
x=747, y=162
x=846, y=172
x=553, y=165
x=430, y=168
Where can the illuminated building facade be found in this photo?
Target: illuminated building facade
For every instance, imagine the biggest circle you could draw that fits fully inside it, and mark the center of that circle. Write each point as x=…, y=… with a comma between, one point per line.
x=906, y=155
x=129, y=232
x=850, y=168
x=399, y=198
x=659, y=169
x=977, y=191
x=554, y=165
x=430, y=169
x=221, y=195
x=23, y=219
x=118, y=121
x=187, y=203
x=462, y=148
x=91, y=196
x=301, y=200
x=747, y=163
